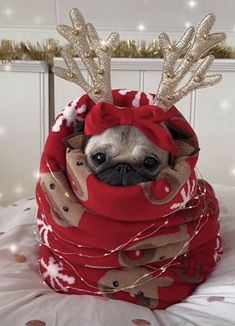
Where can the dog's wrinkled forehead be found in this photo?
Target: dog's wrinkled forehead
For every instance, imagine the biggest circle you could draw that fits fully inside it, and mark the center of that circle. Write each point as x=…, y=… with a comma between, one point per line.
x=125, y=139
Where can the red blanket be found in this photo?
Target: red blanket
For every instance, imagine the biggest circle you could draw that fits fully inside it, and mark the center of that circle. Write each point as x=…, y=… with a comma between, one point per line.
x=150, y=244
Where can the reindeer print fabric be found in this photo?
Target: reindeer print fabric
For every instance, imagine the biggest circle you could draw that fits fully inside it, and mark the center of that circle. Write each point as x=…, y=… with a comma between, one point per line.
x=149, y=244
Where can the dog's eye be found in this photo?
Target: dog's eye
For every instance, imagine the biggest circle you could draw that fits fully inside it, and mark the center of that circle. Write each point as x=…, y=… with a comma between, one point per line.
x=99, y=158
x=150, y=162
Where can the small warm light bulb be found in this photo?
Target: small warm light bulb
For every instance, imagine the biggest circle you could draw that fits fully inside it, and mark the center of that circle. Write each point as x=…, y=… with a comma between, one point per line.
x=37, y=20
x=18, y=189
x=187, y=24
x=1, y=194
x=7, y=67
x=192, y=3
x=13, y=248
x=141, y=27
x=8, y=12
x=225, y=104
x=2, y=131
x=233, y=171
x=66, y=194
x=36, y=175
x=103, y=42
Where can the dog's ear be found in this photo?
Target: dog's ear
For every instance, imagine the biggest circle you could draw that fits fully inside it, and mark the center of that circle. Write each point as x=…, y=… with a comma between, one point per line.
x=77, y=140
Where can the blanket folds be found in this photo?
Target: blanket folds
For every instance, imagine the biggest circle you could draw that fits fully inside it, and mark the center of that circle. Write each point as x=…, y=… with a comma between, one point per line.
x=149, y=244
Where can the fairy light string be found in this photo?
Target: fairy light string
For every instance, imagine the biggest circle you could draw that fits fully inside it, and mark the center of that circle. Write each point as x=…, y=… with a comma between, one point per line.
x=146, y=277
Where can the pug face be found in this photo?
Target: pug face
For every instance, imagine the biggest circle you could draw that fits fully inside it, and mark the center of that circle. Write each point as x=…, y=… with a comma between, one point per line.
x=124, y=156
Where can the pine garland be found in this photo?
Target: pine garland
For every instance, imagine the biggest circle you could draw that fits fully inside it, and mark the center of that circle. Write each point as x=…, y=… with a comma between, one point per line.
x=50, y=48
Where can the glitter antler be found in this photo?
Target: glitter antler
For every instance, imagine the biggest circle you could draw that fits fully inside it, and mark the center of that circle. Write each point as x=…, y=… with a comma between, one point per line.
x=83, y=40
x=195, y=43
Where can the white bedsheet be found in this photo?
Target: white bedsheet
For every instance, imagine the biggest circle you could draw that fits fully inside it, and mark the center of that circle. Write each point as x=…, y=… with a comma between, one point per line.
x=25, y=300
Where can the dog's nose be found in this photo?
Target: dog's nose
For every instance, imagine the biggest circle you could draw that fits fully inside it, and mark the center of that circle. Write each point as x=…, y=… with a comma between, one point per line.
x=123, y=168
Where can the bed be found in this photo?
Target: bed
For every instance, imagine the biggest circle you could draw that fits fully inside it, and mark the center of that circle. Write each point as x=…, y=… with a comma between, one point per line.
x=26, y=300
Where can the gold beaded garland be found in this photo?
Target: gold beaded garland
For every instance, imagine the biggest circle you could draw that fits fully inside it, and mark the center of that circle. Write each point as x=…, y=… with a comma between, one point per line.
x=48, y=49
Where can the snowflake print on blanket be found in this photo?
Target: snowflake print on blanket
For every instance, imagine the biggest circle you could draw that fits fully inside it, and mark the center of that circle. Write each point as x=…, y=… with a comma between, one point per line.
x=70, y=114
x=185, y=194
x=150, y=98
x=44, y=230
x=137, y=97
x=136, y=101
x=124, y=91
x=53, y=271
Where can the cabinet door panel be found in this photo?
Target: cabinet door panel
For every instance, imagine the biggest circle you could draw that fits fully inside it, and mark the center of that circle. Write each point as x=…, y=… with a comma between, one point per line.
x=22, y=133
x=128, y=79
x=214, y=123
x=66, y=92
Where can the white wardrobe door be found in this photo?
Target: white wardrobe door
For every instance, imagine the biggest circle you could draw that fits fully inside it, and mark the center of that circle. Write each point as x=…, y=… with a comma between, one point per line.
x=65, y=92
x=23, y=129
x=215, y=127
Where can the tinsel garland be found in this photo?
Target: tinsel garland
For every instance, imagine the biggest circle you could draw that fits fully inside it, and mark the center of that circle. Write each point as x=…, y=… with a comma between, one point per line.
x=50, y=48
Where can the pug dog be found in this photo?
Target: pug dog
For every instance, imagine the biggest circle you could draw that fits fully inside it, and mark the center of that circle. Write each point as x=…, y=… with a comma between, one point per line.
x=124, y=156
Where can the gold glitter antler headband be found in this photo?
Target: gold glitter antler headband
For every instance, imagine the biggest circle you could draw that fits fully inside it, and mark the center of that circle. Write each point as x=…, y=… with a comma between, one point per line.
x=195, y=43
x=83, y=40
